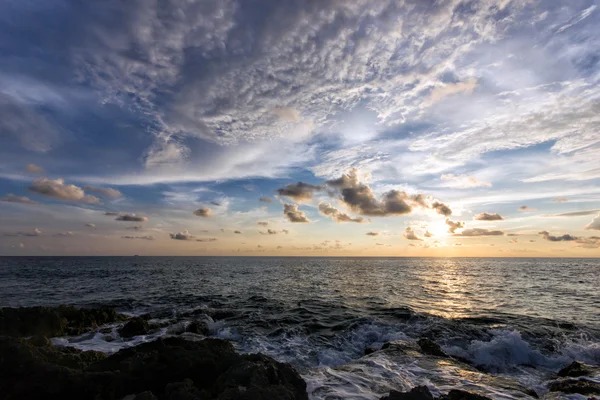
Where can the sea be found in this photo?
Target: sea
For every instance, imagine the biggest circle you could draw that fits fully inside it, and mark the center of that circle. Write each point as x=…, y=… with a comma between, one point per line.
x=513, y=319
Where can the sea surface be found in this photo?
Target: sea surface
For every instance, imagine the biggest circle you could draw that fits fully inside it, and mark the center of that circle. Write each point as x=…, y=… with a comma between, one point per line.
x=521, y=319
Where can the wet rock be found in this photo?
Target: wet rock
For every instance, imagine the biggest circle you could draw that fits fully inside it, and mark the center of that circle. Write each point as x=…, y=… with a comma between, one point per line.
x=134, y=327
x=40, y=341
x=571, y=386
x=576, y=369
x=369, y=350
x=184, y=390
x=431, y=348
x=54, y=321
x=456, y=394
x=416, y=393
x=198, y=327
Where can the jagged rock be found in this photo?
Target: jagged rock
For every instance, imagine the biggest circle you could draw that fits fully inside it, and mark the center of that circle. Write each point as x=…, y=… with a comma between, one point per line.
x=54, y=321
x=199, y=327
x=580, y=386
x=416, y=393
x=369, y=350
x=456, y=394
x=431, y=348
x=134, y=327
x=184, y=390
x=576, y=369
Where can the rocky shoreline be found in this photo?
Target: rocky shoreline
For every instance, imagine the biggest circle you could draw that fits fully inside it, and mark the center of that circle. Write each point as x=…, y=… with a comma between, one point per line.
x=178, y=368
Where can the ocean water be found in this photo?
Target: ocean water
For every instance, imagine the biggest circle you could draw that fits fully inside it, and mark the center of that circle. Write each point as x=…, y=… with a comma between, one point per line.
x=521, y=319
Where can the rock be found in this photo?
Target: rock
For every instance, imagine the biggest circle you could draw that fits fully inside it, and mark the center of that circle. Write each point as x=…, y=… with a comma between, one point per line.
x=576, y=369
x=456, y=394
x=416, y=393
x=580, y=386
x=199, y=327
x=369, y=350
x=431, y=348
x=54, y=321
x=136, y=326
x=40, y=341
x=172, y=368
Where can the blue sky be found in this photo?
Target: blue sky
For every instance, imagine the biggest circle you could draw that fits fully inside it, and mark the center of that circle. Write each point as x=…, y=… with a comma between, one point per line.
x=177, y=106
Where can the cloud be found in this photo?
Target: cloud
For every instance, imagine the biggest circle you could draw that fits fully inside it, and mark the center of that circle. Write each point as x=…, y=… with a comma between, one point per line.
x=595, y=224
x=111, y=213
x=360, y=198
x=11, y=198
x=237, y=232
x=428, y=234
x=64, y=234
x=299, y=191
x=265, y=199
x=135, y=228
x=488, y=217
x=139, y=237
x=575, y=213
x=186, y=235
x=131, y=218
x=90, y=225
x=372, y=233
x=203, y=212
x=262, y=223
x=527, y=209
x=34, y=169
x=336, y=215
x=35, y=232
x=107, y=192
x=268, y=232
x=410, y=234
x=592, y=242
x=287, y=114
x=563, y=238
x=58, y=189
x=440, y=92
x=291, y=212
x=479, y=232
x=560, y=199
x=454, y=225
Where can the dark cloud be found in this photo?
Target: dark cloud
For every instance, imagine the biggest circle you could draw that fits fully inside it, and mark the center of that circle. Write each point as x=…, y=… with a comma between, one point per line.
x=489, y=217
x=454, y=225
x=360, y=198
x=131, y=218
x=564, y=238
x=237, y=232
x=592, y=242
x=299, y=191
x=57, y=189
x=265, y=199
x=268, y=232
x=336, y=215
x=135, y=228
x=203, y=212
x=594, y=225
x=111, y=213
x=107, y=192
x=34, y=169
x=11, y=198
x=139, y=237
x=410, y=234
x=262, y=223
x=186, y=235
x=372, y=233
x=291, y=212
x=479, y=232
x=527, y=209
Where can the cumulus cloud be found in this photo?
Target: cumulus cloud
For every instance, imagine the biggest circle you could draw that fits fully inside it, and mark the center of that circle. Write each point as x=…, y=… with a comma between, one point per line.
x=454, y=225
x=34, y=169
x=527, y=209
x=186, y=235
x=336, y=215
x=237, y=232
x=595, y=224
x=265, y=199
x=564, y=238
x=149, y=237
x=203, y=212
x=268, y=232
x=107, y=192
x=11, y=198
x=410, y=234
x=360, y=198
x=479, y=232
x=262, y=223
x=488, y=217
x=131, y=218
x=299, y=191
x=90, y=225
x=372, y=233
x=291, y=212
x=428, y=234
x=57, y=188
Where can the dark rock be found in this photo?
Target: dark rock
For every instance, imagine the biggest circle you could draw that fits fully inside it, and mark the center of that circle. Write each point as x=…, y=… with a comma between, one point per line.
x=134, y=327
x=199, y=327
x=456, y=394
x=54, y=321
x=431, y=348
x=145, y=396
x=416, y=393
x=369, y=350
x=580, y=386
x=40, y=341
x=576, y=369
x=173, y=368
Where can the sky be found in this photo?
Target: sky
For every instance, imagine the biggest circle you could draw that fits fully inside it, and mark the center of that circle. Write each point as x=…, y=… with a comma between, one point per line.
x=300, y=128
